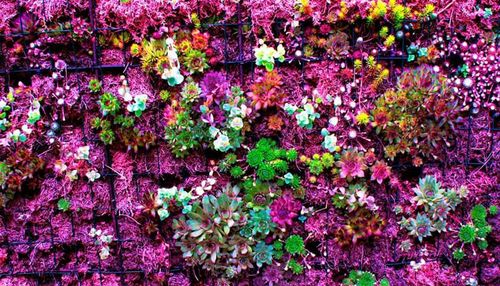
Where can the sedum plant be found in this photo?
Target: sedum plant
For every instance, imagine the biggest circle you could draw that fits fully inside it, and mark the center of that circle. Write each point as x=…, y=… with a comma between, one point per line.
x=433, y=205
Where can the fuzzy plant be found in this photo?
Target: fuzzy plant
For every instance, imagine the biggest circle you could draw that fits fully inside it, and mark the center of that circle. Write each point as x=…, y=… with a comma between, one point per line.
x=417, y=117
x=434, y=205
x=271, y=163
x=476, y=232
x=364, y=278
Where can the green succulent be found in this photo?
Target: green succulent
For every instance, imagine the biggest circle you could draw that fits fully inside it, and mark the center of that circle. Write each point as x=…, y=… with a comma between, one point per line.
x=295, y=267
x=195, y=61
x=291, y=155
x=258, y=224
x=328, y=160
x=362, y=278
x=208, y=235
x=255, y=158
x=316, y=167
x=458, y=254
x=467, y=234
x=295, y=245
x=95, y=85
x=278, y=249
x=109, y=104
x=236, y=172
x=493, y=210
x=265, y=172
x=270, y=162
x=263, y=254
x=478, y=213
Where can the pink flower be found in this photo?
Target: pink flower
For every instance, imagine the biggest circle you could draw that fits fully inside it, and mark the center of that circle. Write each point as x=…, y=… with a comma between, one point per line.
x=352, y=164
x=284, y=210
x=380, y=171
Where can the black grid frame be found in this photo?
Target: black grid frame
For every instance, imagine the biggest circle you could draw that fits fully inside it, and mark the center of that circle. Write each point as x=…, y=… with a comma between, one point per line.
x=53, y=275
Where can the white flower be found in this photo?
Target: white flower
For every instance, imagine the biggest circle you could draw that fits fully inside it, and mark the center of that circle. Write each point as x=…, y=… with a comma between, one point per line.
x=104, y=253
x=2, y=104
x=26, y=129
x=337, y=101
x=222, y=143
x=237, y=123
x=167, y=193
x=83, y=153
x=93, y=175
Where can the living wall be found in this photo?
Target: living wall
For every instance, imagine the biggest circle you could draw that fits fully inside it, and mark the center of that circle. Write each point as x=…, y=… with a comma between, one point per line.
x=293, y=142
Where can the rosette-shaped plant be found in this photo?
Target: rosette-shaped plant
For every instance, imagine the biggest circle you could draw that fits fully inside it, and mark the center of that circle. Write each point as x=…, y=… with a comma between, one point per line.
x=284, y=210
x=337, y=45
x=266, y=91
x=418, y=116
x=263, y=254
x=208, y=235
x=420, y=227
x=351, y=164
x=363, y=224
x=436, y=203
x=259, y=224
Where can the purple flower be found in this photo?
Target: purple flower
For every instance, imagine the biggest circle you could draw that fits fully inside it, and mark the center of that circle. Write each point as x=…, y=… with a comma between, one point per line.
x=284, y=210
x=214, y=87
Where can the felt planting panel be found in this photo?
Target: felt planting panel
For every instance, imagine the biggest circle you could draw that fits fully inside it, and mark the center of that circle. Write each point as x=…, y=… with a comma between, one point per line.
x=248, y=142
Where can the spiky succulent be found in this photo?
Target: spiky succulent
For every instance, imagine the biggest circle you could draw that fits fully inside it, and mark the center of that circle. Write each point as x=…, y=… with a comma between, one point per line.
x=269, y=160
x=360, y=278
x=436, y=204
x=467, y=234
x=295, y=267
x=420, y=227
x=294, y=244
x=259, y=224
x=361, y=225
x=263, y=254
x=109, y=104
x=208, y=235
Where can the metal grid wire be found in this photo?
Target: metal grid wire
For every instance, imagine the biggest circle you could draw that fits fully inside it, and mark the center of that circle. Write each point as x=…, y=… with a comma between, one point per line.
x=53, y=275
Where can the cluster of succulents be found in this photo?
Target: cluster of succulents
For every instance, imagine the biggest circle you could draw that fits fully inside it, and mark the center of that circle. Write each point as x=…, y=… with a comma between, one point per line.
x=118, y=121
x=364, y=278
x=476, y=232
x=434, y=205
x=416, y=118
x=288, y=129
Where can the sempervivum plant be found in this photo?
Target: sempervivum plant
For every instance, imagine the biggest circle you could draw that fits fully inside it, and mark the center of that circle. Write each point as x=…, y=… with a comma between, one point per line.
x=417, y=117
x=209, y=234
x=436, y=204
x=361, y=225
x=284, y=210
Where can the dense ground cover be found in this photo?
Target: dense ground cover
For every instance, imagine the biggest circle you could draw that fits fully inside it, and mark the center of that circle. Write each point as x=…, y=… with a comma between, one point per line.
x=249, y=142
